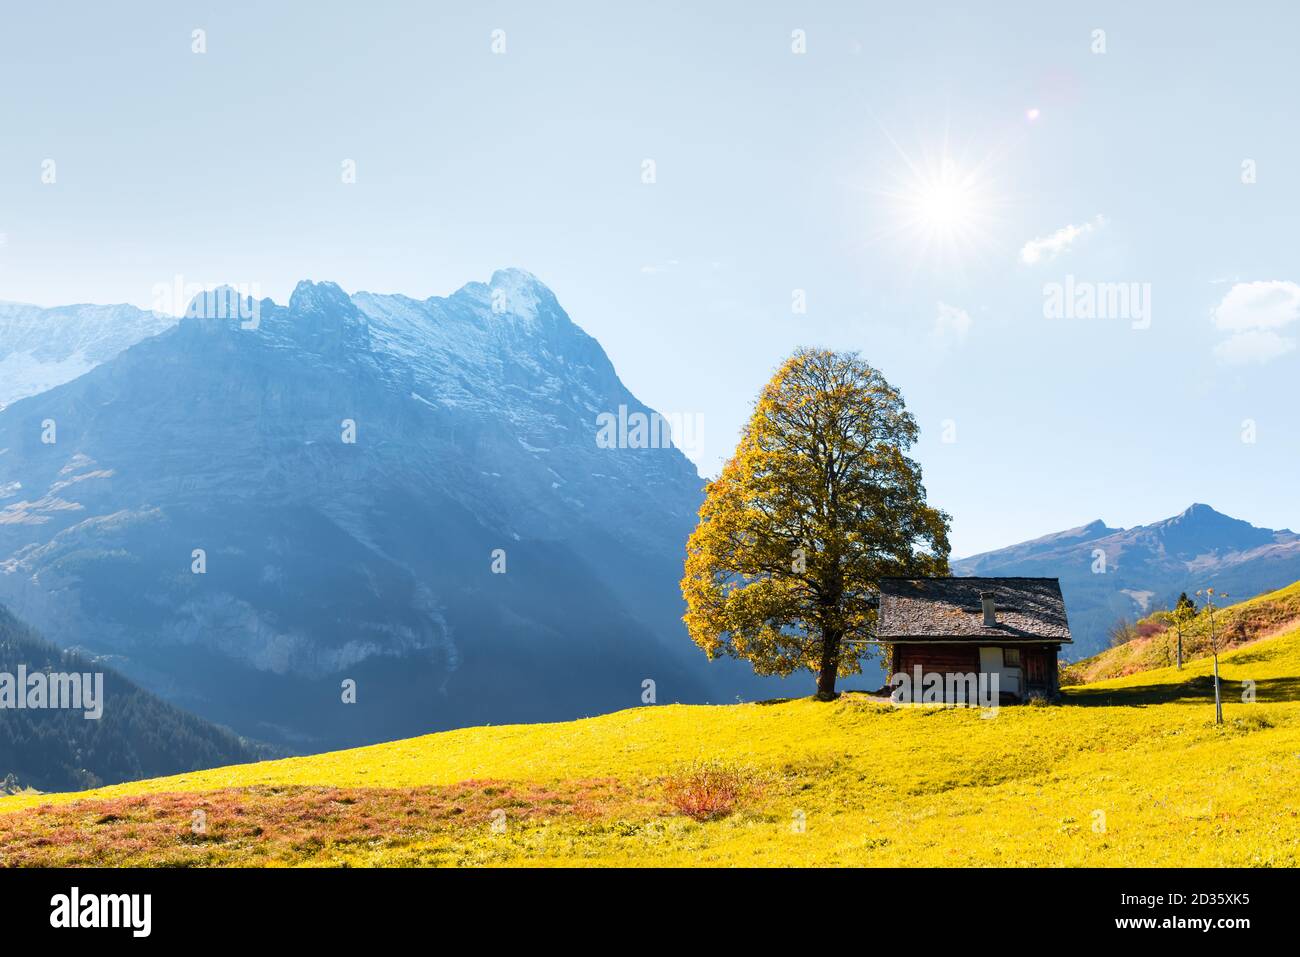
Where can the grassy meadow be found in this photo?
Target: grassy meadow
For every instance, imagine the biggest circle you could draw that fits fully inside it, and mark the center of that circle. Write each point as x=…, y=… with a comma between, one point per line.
x=1127, y=771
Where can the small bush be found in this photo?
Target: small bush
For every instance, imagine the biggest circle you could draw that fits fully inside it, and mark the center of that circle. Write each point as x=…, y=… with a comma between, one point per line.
x=704, y=790
x=1250, y=722
x=1071, y=673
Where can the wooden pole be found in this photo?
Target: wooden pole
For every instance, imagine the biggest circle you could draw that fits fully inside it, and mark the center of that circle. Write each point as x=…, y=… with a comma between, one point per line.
x=1214, y=647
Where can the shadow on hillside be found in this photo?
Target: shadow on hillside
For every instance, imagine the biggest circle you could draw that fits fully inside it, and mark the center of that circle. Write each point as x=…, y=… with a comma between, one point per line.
x=1195, y=690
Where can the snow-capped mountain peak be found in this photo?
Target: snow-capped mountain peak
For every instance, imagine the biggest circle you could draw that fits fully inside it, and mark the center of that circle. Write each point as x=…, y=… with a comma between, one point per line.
x=41, y=348
x=349, y=466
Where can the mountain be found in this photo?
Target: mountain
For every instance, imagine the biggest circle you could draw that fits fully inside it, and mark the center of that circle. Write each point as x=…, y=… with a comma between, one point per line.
x=405, y=494
x=135, y=736
x=43, y=348
x=1146, y=567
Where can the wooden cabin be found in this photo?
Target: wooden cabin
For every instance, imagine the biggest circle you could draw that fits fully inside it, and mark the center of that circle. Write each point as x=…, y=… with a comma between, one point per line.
x=1013, y=627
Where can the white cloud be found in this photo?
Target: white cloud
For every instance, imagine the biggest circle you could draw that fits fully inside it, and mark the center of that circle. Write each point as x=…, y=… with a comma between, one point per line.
x=1254, y=346
x=1258, y=305
x=1254, y=312
x=1053, y=245
x=950, y=326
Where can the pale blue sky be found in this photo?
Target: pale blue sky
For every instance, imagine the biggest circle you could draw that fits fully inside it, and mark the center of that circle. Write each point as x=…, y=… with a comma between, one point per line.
x=775, y=172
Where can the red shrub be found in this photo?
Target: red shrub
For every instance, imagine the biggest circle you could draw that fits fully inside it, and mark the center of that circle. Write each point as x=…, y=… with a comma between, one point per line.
x=1146, y=629
x=704, y=790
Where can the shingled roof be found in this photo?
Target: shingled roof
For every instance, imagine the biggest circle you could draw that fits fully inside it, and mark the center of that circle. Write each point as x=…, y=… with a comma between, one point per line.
x=949, y=609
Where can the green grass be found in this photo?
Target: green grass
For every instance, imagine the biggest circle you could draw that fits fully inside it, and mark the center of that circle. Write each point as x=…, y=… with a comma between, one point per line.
x=1128, y=771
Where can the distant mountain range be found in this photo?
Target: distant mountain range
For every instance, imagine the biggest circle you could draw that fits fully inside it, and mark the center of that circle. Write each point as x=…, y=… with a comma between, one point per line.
x=1108, y=574
x=406, y=494
x=42, y=348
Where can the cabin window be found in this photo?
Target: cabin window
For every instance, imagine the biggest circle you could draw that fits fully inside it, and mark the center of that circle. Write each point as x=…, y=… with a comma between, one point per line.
x=1011, y=657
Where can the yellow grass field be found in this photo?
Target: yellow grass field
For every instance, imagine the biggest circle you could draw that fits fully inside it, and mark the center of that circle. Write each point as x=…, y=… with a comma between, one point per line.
x=1130, y=771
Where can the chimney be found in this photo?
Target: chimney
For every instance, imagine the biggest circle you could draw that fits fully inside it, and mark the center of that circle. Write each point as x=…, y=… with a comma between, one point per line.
x=990, y=613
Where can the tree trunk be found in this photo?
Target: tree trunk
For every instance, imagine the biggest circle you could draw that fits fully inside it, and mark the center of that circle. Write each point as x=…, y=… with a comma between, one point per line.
x=830, y=665
x=1180, y=648
x=1218, y=702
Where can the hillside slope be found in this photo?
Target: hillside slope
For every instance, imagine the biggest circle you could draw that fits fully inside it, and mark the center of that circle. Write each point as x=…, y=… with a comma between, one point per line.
x=1126, y=772
x=136, y=735
x=1236, y=625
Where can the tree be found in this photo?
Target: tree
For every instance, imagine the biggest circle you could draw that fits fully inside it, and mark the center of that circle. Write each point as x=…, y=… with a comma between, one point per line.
x=1214, y=648
x=818, y=503
x=1160, y=625
x=1121, y=632
x=1183, y=614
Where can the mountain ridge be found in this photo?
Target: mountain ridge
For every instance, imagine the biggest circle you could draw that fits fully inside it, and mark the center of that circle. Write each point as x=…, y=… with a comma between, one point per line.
x=44, y=347
x=1109, y=574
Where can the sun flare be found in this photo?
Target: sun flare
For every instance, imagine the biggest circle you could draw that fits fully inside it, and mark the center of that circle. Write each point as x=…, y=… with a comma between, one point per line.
x=939, y=207
x=945, y=205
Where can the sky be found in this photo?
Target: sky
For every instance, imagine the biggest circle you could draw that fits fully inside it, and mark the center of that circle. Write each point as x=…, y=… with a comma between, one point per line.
x=707, y=187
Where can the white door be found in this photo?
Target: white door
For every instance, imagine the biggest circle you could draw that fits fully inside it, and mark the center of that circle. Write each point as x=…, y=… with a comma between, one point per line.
x=1008, y=677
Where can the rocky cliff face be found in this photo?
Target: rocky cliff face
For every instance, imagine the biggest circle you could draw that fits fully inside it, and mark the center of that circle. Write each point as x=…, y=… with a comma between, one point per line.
x=406, y=494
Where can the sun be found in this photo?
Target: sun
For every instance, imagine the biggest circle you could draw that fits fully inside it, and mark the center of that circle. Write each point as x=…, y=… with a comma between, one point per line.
x=948, y=203
x=943, y=206
x=938, y=206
